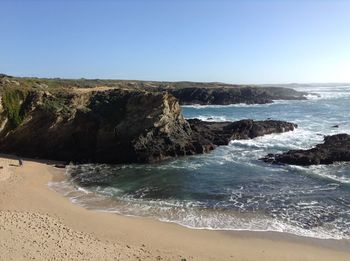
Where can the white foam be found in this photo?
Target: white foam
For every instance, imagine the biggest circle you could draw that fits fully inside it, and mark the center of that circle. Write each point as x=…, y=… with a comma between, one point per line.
x=83, y=190
x=298, y=139
x=210, y=118
x=239, y=105
x=326, y=93
x=191, y=214
x=333, y=172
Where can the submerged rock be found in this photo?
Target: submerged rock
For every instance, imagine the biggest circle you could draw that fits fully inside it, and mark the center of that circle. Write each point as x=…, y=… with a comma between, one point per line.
x=336, y=148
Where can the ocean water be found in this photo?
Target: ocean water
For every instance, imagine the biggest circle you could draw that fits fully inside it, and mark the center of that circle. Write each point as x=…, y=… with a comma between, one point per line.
x=230, y=189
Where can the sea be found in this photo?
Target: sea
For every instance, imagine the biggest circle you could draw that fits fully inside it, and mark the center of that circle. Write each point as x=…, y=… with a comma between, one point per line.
x=230, y=188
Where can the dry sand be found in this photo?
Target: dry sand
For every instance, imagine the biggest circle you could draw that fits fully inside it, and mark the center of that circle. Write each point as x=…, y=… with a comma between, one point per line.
x=38, y=224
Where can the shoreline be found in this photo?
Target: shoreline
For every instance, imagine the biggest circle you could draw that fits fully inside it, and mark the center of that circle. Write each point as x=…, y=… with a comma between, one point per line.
x=110, y=236
x=105, y=205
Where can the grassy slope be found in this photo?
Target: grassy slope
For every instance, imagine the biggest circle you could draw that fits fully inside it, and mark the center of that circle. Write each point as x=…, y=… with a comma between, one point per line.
x=52, y=83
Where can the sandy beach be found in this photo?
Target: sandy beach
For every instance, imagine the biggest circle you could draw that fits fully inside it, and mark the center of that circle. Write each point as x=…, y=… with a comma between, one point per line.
x=36, y=223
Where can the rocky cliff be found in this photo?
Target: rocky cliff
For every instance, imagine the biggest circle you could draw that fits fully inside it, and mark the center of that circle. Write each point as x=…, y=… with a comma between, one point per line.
x=336, y=148
x=110, y=125
x=233, y=95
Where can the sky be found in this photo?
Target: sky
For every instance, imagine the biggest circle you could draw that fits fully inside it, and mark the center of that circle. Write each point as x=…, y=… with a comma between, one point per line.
x=247, y=42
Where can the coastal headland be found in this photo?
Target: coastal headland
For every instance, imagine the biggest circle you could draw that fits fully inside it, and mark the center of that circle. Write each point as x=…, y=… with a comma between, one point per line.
x=120, y=122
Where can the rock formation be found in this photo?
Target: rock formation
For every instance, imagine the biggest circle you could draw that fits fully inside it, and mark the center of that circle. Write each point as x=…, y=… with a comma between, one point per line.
x=110, y=126
x=221, y=133
x=233, y=95
x=335, y=148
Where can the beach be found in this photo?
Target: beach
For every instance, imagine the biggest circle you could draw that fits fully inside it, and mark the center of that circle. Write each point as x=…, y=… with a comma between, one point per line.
x=36, y=223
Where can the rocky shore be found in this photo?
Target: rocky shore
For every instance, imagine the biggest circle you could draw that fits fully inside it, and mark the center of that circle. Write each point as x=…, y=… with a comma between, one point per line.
x=221, y=133
x=336, y=148
x=111, y=126
x=78, y=121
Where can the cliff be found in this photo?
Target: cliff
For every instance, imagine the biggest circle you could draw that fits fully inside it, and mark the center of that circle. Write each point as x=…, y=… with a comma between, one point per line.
x=109, y=125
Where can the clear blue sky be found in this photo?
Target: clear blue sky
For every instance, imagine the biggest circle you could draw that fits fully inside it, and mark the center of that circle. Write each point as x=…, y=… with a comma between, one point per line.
x=228, y=41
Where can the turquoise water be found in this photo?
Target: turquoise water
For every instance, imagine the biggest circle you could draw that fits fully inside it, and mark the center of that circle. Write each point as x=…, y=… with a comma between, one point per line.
x=230, y=189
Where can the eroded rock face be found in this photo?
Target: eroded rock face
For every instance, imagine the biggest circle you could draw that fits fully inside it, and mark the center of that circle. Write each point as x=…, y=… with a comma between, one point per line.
x=336, y=148
x=113, y=126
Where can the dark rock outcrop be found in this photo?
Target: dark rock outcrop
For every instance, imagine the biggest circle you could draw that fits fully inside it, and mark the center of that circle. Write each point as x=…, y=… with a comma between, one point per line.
x=221, y=133
x=234, y=95
x=335, y=148
x=111, y=126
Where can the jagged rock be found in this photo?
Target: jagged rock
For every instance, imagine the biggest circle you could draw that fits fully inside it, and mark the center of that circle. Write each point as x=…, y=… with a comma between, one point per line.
x=335, y=148
x=112, y=126
x=221, y=133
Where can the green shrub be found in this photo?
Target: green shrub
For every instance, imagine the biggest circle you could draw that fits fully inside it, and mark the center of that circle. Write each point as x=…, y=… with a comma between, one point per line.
x=56, y=105
x=12, y=100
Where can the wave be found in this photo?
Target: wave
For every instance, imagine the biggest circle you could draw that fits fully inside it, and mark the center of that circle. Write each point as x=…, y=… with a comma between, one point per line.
x=333, y=172
x=300, y=138
x=191, y=214
x=325, y=93
x=210, y=118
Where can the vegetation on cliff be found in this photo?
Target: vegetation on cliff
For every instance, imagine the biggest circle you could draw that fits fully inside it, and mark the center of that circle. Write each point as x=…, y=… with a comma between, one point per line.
x=12, y=100
x=185, y=92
